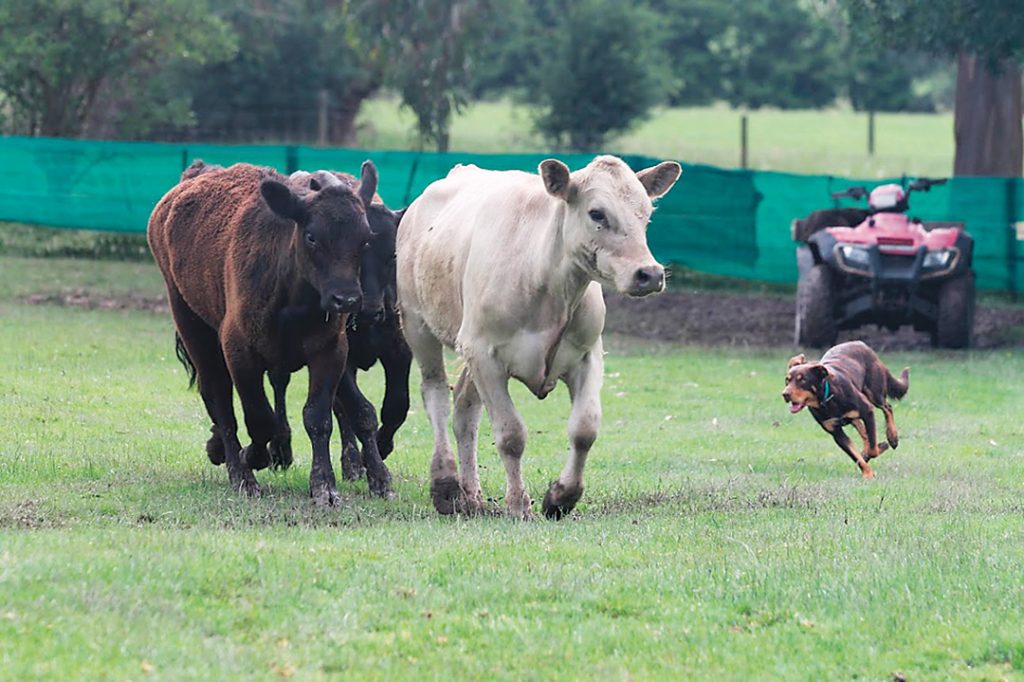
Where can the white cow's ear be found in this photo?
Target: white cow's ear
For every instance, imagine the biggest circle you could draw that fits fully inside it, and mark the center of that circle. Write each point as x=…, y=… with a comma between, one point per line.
x=556, y=178
x=658, y=180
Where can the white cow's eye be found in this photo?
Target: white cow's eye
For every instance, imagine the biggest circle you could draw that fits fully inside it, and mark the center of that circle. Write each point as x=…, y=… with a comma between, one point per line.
x=596, y=215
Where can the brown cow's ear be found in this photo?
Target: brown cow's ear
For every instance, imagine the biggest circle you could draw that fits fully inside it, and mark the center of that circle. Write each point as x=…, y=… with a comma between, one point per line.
x=556, y=178
x=368, y=182
x=282, y=200
x=658, y=180
x=796, y=360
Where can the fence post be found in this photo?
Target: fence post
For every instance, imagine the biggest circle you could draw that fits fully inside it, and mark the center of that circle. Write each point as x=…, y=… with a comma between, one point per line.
x=1011, y=237
x=743, y=141
x=321, y=119
x=871, y=133
x=184, y=159
x=291, y=159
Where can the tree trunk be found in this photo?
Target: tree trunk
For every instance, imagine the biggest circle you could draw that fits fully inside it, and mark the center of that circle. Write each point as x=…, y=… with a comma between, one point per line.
x=342, y=113
x=988, y=118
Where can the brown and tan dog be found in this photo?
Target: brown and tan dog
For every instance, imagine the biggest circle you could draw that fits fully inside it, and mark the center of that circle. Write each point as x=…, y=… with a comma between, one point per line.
x=845, y=388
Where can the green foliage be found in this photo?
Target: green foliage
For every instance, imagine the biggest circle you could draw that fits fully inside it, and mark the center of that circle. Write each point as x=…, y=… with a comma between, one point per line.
x=430, y=58
x=66, y=60
x=693, y=32
x=993, y=29
x=596, y=72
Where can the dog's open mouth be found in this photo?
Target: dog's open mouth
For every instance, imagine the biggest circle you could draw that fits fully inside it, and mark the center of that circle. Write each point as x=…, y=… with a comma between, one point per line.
x=795, y=407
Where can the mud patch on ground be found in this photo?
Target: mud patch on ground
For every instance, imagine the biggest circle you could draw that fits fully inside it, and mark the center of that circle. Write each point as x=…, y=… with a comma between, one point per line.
x=705, y=318
x=710, y=318
x=91, y=300
x=26, y=515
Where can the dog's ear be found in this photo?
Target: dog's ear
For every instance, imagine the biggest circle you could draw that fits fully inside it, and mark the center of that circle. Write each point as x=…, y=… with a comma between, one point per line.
x=817, y=372
x=796, y=360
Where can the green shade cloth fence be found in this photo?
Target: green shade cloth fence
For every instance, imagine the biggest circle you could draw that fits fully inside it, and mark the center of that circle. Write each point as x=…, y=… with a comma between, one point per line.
x=725, y=222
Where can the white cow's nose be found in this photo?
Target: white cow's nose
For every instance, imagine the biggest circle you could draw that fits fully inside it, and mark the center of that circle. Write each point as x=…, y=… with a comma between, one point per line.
x=648, y=280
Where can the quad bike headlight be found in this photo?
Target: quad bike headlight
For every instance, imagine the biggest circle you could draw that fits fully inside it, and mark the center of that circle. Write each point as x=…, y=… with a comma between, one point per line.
x=938, y=259
x=939, y=262
x=855, y=256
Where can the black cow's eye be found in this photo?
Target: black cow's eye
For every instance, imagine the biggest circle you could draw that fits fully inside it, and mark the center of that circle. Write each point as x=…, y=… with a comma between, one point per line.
x=310, y=239
x=596, y=215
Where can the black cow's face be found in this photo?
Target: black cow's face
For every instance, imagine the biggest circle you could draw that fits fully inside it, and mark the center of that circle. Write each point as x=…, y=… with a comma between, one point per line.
x=378, y=267
x=332, y=234
x=331, y=246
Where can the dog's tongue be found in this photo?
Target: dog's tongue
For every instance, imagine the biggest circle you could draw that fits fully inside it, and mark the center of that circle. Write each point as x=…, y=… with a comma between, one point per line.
x=795, y=407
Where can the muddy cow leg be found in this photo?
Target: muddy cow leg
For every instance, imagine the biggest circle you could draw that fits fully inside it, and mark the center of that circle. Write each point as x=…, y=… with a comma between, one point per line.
x=509, y=430
x=363, y=421
x=352, y=468
x=215, y=386
x=247, y=375
x=396, y=361
x=325, y=371
x=445, y=491
x=843, y=441
x=466, y=423
x=281, y=443
x=584, y=382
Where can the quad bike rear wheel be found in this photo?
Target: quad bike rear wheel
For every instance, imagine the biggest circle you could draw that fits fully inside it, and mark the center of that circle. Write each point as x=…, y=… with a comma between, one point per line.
x=955, y=325
x=815, y=314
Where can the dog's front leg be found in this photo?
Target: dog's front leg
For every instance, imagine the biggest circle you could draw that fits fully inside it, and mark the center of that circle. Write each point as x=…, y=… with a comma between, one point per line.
x=843, y=441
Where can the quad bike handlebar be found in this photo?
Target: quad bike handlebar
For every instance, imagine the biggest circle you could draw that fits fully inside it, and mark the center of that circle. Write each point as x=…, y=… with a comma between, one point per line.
x=917, y=185
x=851, y=192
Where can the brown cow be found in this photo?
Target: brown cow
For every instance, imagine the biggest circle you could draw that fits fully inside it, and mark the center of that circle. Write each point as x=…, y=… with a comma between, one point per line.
x=262, y=280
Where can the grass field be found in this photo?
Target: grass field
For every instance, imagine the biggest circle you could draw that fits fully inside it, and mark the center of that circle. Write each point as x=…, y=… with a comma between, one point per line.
x=830, y=141
x=719, y=536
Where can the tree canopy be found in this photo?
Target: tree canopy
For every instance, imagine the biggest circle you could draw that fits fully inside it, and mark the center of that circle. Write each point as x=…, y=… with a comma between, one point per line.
x=281, y=70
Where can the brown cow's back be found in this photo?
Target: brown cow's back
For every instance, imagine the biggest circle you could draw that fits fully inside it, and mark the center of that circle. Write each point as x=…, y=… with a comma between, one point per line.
x=202, y=225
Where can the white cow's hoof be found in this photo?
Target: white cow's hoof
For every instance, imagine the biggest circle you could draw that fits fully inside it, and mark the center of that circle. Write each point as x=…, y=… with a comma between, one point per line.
x=560, y=500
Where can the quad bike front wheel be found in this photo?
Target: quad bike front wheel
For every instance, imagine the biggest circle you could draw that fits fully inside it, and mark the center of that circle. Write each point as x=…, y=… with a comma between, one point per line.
x=815, y=315
x=955, y=325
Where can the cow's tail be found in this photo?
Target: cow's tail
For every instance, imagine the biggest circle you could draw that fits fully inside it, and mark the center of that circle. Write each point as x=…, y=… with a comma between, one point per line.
x=186, y=361
x=897, y=388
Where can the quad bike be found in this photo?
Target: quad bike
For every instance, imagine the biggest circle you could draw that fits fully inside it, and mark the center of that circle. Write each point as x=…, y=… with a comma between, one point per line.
x=879, y=266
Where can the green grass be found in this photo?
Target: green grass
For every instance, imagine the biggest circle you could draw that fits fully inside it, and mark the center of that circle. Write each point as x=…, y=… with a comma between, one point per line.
x=830, y=141
x=719, y=537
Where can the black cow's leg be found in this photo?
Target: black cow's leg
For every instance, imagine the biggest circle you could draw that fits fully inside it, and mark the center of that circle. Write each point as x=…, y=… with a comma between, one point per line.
x=396, y=361
x=281, y=443
x=215, y=384
x=325, y=371
x=352, y=468
x=362, y=417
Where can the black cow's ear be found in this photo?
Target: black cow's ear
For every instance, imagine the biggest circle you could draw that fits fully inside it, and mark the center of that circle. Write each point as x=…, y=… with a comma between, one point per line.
x=399, y=215
x=659, y=179
x=282, y=200
x=368, y=182
x=555, y=175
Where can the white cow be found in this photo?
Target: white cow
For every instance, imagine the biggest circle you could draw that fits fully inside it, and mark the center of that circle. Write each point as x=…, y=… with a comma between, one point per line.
x=503, y=266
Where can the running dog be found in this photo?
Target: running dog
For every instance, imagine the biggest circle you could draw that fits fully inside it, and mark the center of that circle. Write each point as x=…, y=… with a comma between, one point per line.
x=844, y=388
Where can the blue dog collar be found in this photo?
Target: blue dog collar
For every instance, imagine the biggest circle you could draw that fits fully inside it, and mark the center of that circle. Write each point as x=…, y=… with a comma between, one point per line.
x=828, y=393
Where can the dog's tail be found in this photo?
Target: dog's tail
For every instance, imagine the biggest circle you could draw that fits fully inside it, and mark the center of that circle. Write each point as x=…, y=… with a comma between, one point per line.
x=897, y=388
x=179, y=349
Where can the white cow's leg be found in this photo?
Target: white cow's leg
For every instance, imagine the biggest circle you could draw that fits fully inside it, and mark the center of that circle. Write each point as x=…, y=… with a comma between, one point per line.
x=466, y=422
x=429, y=354
x=584, y=382
x=509, y=430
